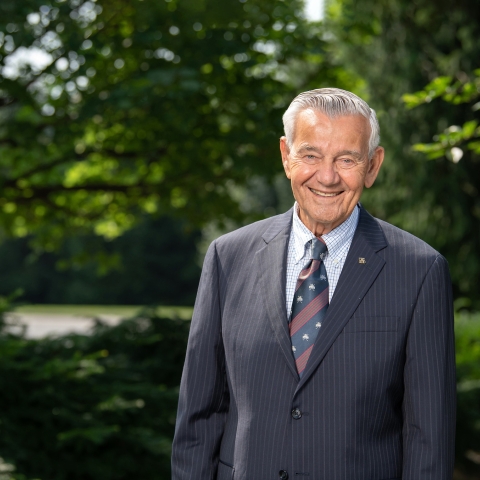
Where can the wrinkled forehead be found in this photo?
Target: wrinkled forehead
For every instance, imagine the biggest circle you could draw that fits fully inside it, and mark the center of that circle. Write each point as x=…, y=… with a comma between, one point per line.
x=312, y=120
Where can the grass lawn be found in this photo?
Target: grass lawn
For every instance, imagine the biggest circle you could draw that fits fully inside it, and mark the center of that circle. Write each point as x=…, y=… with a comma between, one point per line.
x=95, y=310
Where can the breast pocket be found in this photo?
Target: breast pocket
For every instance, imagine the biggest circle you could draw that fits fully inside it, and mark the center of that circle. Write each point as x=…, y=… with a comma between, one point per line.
x=371, y=324
x=225, y=472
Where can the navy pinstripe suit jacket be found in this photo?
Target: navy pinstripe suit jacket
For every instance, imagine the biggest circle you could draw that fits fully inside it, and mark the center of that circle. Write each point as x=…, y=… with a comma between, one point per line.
x=377, y=399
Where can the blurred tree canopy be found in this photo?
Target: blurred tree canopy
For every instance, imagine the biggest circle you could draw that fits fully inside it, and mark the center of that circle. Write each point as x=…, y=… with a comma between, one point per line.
x=399, y=47
x=138, y=107
x=455, y=143
x=110, y=109
x=153, y=263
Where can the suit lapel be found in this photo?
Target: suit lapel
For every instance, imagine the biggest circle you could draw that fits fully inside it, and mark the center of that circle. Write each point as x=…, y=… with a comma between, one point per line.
x=272, y=259
x=355, y=280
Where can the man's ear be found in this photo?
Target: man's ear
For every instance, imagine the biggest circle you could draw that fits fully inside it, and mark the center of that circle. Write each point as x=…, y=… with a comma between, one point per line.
x=285, y=151
x=374, y=166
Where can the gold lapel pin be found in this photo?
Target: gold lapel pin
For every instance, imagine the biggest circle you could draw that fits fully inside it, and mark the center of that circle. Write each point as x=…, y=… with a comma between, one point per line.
x=361, y=260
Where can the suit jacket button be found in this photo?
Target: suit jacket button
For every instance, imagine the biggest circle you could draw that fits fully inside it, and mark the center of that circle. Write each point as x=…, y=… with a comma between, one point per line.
x=283, y=474
x=296, y=413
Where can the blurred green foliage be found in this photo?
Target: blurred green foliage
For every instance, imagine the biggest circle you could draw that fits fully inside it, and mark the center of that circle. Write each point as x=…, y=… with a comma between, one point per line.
x=153, y=263
x=398, y=47
x=143, y=107
x=150, y=108
x=450, y=142
x=91, y=407
x=467, y=331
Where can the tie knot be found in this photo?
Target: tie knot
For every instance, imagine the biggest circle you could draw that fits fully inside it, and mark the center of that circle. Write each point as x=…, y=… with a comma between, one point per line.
x=318, y=250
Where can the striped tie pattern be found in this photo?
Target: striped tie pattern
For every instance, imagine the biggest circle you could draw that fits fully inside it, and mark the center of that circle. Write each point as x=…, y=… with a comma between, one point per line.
x=309, y=306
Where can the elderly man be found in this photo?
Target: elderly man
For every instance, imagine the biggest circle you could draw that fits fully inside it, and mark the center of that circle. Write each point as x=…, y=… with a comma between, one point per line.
x=321, y=343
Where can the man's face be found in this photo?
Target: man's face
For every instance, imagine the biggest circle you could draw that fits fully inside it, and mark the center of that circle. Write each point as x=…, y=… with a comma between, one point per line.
x=328, y=167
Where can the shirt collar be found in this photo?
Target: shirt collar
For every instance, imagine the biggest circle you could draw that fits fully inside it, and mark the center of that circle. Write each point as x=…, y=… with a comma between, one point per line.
x=335, y=240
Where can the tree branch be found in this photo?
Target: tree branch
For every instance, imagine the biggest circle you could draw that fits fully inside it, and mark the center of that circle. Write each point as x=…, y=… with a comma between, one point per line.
x=43, y=192
x=77, y=156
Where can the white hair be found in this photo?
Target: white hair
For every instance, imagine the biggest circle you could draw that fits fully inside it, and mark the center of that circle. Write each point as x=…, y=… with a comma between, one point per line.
x=333, y=102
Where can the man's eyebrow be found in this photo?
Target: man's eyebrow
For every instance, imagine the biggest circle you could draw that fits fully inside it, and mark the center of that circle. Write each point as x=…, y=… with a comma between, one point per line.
x=309, y=148
x=353, y=153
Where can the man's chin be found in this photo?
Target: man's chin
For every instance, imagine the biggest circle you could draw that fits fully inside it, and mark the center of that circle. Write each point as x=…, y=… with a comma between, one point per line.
x=323, y=222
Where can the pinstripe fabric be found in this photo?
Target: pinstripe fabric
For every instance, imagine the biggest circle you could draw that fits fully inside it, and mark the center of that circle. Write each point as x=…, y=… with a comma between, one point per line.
x=377, y=399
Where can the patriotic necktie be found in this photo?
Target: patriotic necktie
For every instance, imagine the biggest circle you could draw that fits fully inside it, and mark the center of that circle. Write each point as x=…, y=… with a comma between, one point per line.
x=310, y=303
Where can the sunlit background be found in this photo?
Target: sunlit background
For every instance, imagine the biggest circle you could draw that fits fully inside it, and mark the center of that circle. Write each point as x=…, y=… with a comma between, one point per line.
x=314, y=10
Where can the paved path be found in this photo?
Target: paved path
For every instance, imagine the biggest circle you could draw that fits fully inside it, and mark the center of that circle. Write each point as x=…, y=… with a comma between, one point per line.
x=54, y=324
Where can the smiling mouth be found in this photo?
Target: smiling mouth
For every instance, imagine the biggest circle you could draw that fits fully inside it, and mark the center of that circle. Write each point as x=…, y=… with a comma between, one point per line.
x=323, y=194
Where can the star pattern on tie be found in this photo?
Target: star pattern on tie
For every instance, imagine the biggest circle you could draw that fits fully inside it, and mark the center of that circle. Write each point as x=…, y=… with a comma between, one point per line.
x=309, y=306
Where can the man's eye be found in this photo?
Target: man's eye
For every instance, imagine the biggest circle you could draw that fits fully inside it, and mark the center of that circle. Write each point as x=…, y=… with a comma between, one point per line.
x=346, y=162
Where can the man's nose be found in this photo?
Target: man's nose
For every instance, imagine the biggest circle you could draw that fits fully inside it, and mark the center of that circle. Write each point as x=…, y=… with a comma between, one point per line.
x=327, y=173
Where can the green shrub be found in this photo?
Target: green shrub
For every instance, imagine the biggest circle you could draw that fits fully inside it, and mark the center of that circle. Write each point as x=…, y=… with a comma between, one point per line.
x=467, y=332
x=92, y=407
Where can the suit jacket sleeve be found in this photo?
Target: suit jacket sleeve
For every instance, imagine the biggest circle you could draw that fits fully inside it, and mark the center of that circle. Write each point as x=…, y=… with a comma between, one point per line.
x=430, y=383
x=204, y=399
